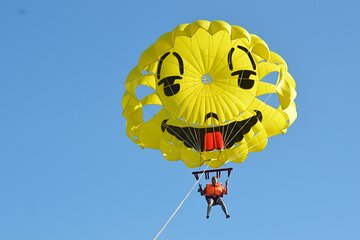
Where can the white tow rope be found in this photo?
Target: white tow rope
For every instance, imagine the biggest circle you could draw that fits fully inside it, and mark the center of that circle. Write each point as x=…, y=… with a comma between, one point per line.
x=177, y=209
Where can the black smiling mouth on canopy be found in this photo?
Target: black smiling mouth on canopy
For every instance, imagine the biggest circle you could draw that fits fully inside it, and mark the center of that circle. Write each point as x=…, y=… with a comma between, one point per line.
x=195, y=137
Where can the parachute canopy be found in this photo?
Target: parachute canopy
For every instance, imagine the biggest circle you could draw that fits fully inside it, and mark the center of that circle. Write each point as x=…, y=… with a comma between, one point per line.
x=210, y=81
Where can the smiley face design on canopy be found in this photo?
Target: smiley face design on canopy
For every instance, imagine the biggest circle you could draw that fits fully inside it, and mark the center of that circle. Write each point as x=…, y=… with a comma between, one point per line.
x=209, y=79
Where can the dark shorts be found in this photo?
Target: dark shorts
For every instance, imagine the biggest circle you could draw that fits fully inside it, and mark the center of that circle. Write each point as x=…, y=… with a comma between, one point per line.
x=216, y=200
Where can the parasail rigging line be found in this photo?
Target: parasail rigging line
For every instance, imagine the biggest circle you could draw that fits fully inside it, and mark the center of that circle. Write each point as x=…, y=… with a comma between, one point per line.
x=178, y=208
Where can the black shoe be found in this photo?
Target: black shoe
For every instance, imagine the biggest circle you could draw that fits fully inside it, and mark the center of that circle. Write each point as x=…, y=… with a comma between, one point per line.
x=227, y=216
x=207, y=216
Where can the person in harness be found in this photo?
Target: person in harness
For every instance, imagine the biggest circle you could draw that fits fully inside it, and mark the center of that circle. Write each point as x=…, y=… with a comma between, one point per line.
x=214, y=192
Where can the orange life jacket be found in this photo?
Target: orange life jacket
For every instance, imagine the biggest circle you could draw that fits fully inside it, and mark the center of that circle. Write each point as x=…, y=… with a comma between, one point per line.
x=217, y=190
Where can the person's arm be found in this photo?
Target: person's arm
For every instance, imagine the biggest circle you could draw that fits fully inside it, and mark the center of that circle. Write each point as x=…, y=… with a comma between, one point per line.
x=200, y=190
x=226, y=189
x=203, y=192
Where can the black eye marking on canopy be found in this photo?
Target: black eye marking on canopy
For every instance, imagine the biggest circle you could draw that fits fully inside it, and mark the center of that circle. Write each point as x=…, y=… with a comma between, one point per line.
x=160, y=64
x=181, y=63
x=244, y=80
x=195, y=137
x=230, y=58
x=249, y=55
x=170, y=88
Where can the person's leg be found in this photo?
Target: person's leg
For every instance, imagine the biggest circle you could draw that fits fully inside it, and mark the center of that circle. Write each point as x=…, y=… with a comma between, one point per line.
x=221, y=202
x=210, y=204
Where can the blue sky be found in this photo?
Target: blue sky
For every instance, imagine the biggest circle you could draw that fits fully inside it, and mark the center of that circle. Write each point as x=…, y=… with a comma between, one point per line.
x=68, y=170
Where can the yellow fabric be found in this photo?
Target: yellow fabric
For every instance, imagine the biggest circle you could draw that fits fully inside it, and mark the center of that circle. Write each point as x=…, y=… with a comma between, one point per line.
x=204, y=57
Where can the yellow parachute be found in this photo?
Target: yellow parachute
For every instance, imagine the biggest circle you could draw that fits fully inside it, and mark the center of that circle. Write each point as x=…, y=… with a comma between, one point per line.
x=208, y=79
